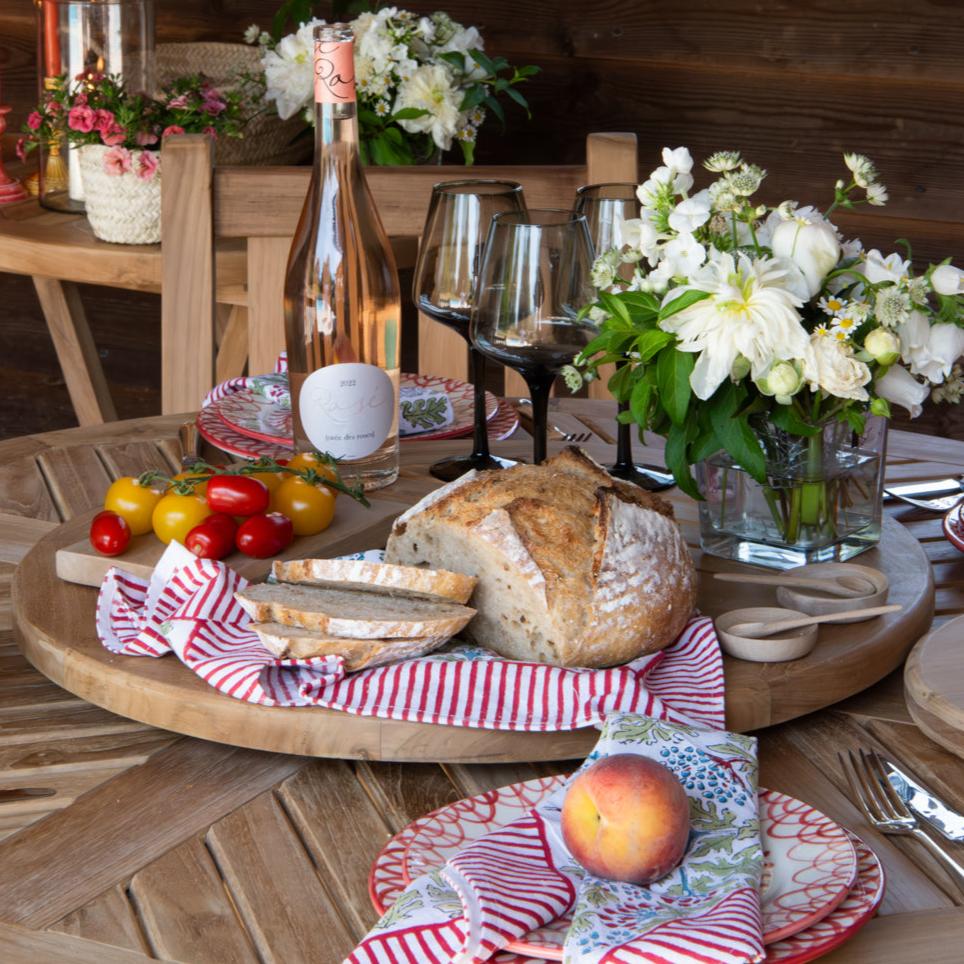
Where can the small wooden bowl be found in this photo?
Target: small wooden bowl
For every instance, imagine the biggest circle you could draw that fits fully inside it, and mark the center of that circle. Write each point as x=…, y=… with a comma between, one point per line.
x=774, y=649
x=820, y=604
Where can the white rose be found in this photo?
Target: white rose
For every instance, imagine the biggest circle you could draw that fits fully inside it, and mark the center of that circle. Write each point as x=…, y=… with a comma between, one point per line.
x=930, y=350
x=901, y=388
x=813, y=248
x=946, y=280
x=883, y=346
x=831, y=366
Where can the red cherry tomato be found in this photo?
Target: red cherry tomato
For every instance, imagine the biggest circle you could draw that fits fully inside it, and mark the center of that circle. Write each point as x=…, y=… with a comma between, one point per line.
x=237, y=495
x=110, y=534
x=213, y=538
x=262, y=536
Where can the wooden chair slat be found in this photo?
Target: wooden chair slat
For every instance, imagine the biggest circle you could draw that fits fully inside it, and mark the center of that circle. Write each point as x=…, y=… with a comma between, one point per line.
x=109, y=918
x=24, y=946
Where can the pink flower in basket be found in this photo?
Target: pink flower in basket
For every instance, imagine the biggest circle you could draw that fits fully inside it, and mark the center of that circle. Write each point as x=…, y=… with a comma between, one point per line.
x=213, y=105
x=147, y=165
x=211, y=132
x=81, y=118
x=181, y=101
x=104, y=120
x=145, y=138
x=117, y=161
x=34, y=120
x=115, y=135
x=21, y=148
x=172, y=130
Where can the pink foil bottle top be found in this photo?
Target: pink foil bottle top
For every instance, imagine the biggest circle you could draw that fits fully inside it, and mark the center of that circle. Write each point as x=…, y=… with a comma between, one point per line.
x=334, y=64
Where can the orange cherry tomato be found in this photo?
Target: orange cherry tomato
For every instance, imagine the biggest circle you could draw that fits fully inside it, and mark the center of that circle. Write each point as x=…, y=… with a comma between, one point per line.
x=133, y=502
x=200, y=487
x=176, y=515
x=309, y=507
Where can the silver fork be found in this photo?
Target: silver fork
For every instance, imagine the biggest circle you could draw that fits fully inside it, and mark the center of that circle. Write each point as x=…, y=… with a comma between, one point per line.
x=883, y=806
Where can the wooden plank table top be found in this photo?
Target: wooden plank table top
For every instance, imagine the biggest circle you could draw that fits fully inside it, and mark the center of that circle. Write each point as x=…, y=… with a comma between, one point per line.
x=123, y=842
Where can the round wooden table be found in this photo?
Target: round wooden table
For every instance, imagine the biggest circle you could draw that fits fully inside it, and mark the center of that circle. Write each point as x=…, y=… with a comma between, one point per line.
x=123, y=842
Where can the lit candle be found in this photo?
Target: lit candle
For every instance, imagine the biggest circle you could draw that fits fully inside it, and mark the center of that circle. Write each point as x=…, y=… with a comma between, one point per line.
x=51, y=20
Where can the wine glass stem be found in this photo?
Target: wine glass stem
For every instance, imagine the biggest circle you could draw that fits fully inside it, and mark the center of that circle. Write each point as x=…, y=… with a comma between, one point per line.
x=624, y=442
x=477, y=374
x=539, y=384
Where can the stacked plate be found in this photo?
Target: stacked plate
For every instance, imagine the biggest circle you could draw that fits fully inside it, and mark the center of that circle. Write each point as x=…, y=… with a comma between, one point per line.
x=248, y=424
x=820, y=885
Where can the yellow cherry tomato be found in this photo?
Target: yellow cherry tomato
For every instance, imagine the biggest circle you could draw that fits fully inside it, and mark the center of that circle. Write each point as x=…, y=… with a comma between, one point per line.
x=176, y=515
x=309, y=507
x=271, y=479
x=133, y=502
x=308, y=460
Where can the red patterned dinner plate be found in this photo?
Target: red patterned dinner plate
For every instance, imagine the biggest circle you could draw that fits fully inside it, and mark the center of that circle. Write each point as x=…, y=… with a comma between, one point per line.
x=954, y=526
x=811, y=865
x=264, y=419
x=221, y=435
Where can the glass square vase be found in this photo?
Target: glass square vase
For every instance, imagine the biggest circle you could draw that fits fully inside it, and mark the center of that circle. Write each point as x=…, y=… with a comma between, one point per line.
x=821, y=501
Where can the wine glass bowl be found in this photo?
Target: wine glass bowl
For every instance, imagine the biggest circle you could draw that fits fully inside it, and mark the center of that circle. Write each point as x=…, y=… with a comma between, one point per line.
x=533, y=283
x=443, y=288
x=605, y=207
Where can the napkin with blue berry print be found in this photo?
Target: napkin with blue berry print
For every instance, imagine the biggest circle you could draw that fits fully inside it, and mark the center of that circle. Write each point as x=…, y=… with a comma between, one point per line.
x=522, y=876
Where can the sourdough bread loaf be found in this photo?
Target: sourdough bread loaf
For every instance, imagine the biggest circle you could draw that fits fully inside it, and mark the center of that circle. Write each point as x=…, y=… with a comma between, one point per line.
x=292, y=642
x=574, y=567
x=376, y=577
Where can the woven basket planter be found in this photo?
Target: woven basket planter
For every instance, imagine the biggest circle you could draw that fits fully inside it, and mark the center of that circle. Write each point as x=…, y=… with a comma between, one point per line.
x=267, y=139
x=121, y=208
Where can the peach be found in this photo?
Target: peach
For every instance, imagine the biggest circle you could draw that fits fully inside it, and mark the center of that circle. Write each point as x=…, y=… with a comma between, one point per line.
x=626, y=818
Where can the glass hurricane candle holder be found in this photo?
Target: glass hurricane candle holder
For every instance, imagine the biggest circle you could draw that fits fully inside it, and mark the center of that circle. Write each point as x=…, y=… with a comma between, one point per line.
x=77, y=41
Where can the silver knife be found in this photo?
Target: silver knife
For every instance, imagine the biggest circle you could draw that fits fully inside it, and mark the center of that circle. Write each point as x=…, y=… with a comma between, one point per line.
x=947, y=821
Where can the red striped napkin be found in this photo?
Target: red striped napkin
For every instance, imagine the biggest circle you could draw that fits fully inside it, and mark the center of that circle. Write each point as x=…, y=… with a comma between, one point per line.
x=521, y=877
x=188, y=608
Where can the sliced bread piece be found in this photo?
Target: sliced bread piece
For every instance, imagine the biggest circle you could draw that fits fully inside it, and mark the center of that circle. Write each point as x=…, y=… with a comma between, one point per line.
x=291, y=642
x=350, y=613
x=376, y=577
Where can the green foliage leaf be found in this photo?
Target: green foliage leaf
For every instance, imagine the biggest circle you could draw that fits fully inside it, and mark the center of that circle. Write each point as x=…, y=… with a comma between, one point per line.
x=454, y=59
x=677, y=462
x=473, y=97
x=519, y=99
x=686, y=299
x=496, y=108
x=615, y=306
x=639, y=401
x=787, y=418
x=734, y=430
x=673, y=370
x=652, y=341
x=409, y=113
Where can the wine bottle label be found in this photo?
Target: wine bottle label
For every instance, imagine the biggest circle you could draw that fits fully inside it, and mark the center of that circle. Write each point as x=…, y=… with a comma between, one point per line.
x=347, y=410
x=334, y=72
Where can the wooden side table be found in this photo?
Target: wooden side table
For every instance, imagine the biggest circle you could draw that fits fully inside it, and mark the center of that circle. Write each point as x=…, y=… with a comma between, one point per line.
x=59, y=251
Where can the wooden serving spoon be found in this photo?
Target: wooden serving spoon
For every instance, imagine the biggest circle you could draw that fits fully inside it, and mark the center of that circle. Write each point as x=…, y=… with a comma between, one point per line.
x=850, y=587
x=761, y=630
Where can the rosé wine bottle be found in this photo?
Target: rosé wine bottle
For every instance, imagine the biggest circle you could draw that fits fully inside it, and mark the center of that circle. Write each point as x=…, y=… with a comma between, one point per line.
x=342, y=304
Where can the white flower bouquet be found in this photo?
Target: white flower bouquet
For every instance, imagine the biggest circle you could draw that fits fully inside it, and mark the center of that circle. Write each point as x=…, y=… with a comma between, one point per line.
x=733, y=324
x=423, y=83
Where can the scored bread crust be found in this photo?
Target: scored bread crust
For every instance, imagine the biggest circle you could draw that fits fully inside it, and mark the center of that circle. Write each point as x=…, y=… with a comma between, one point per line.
x=350, y=613
x=290, y=642
x=376, y=577
x=574, y=567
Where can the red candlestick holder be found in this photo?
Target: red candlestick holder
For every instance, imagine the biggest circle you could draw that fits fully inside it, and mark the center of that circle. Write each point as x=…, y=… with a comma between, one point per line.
x=11, y=190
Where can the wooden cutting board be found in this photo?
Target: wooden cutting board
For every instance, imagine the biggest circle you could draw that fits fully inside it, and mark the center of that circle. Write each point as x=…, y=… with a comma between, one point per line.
x=934, y=685
x=82, y=564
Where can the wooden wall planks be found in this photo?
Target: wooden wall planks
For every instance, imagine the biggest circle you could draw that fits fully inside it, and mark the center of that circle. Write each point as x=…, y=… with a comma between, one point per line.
x=793, y=88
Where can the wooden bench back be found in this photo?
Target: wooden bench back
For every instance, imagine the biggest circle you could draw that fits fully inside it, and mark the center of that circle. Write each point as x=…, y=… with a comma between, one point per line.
x=261, y=205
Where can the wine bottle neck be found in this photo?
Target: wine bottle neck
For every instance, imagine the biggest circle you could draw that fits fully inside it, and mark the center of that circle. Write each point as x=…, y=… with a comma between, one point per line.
x=336, y=116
